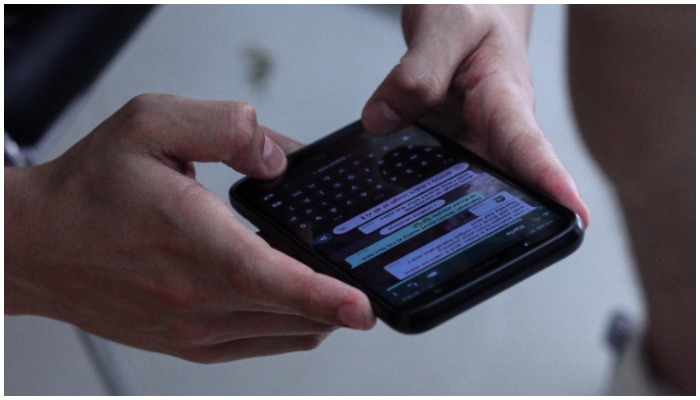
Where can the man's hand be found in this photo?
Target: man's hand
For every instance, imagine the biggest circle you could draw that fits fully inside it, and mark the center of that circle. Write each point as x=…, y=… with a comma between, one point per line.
x=466, y=74
x=117, y=237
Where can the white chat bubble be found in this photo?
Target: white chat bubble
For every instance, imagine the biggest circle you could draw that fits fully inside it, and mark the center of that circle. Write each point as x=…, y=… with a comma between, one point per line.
x=399, y=199
x=421, y=225
x=417, y=202
x=413, y=217
x=461, y=238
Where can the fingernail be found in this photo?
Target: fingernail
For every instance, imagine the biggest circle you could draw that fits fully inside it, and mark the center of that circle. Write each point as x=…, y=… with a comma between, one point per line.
x=291, y=147
x=273, y=156
x=351, y=317
x=379, y=118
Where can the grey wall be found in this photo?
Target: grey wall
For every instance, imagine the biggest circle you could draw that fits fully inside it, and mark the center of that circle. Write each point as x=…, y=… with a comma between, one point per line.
x=544, y=336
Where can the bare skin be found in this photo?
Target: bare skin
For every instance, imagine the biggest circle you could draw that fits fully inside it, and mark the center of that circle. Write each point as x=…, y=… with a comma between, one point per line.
x=117, y=237
x=632, y=73
x=218, y=292
x=466, y=73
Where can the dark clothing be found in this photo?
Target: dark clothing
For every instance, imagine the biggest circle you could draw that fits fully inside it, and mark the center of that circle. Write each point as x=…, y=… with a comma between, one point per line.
x=52, y=53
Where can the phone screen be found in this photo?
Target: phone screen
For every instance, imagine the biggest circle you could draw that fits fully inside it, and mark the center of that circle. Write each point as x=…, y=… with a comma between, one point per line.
x=403, y=214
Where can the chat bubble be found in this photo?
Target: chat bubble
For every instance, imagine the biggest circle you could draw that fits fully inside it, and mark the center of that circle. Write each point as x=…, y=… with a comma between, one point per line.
x=413, y=217
x=399, y=199
x=414, y=229
x=491, y=203
x=411, y=205
x=506, y=209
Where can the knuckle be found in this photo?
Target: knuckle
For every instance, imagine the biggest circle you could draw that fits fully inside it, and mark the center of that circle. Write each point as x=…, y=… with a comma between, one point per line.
x=245, y=113
x=192, y=328
x=310, y=342
x=242, y=120
x=189, y=333
x=424, y=88
x=145, y=100
x=140, y=106
x=137, y=115
x=180, y=298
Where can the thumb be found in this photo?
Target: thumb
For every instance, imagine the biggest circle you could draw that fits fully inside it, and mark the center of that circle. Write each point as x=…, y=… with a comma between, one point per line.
x=287, y=144
x=273, y=279
x=210, y=131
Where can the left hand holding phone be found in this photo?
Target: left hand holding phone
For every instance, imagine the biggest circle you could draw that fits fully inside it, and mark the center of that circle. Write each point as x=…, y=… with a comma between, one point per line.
x=117, y=237
x=467, y=66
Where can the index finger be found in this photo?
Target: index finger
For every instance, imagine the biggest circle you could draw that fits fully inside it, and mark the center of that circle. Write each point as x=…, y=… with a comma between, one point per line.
x=422, y=78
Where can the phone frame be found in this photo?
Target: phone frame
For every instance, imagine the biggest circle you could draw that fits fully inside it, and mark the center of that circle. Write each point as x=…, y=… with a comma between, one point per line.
x=448, y=299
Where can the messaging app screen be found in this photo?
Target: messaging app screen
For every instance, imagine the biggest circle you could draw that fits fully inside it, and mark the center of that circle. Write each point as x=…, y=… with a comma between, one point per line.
x=403, y=213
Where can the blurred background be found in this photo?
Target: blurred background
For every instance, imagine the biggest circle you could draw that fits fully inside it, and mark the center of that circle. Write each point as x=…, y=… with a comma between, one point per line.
x=308, y=71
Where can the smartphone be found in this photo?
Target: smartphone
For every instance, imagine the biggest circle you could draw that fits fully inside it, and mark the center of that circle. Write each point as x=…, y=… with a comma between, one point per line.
x=421, y=225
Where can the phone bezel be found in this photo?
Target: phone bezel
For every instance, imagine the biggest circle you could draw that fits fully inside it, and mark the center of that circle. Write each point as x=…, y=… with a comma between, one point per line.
x=448, y=298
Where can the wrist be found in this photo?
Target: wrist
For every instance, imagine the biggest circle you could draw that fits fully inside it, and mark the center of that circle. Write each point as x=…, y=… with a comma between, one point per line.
x=20, y=234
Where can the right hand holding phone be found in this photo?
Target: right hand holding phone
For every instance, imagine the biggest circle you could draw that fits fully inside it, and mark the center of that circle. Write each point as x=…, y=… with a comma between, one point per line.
x=466, y=75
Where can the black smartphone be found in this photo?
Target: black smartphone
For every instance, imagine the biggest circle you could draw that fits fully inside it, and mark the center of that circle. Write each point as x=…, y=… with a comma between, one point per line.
x=424, y=227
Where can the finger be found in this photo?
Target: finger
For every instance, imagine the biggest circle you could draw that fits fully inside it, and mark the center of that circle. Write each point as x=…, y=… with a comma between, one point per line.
x=246, y=335
x=534, y=159
x=220, y=328
x=262, y=276
x=259, y=275
x=207, y=131
x=498, y=107
x=506, y=131
x=272, y=278
x=252, y=347
x=422, y=78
